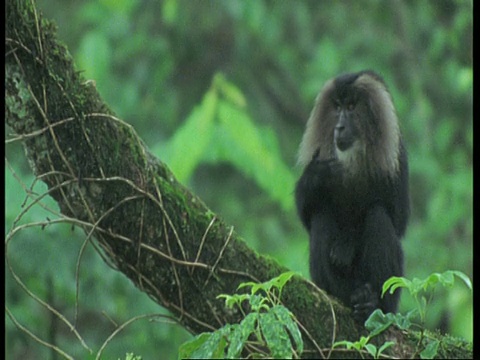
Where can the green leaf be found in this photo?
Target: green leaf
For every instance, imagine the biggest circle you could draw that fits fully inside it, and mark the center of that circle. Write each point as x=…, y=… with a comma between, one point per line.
x=417, y=285
x=275, y=336
x=231, y=93
x=357, y=345
x=185, y=150
x=463, y=277
x=382, y=348
x=394, y=283
x=346, y=343
x=378, y=322
x=214, y=346
x=280, y=281
x=286, y=318
x=430, y=350
x=249, y=148
x=372, y=349
x=187, y=349
x=240, y=334
x=277, y=282
x=254, y=286
x=446, y=278
x=362, y=342
x=404, y=321
x=206, y=345
x=258, y=302
x=235, y=299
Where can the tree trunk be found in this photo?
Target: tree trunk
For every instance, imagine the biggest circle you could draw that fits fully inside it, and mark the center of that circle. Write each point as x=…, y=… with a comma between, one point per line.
x=150, y=227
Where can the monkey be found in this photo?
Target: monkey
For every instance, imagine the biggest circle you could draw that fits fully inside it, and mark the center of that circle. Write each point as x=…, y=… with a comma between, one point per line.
x=353, y=196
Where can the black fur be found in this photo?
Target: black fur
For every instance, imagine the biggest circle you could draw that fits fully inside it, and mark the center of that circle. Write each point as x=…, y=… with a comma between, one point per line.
x=355, y=222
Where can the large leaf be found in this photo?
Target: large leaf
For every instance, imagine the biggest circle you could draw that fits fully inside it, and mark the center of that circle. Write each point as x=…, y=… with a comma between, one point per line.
x=186, y=149
x=251, y=149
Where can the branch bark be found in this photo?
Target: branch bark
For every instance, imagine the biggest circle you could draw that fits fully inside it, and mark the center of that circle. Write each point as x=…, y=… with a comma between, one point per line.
x=150, y=227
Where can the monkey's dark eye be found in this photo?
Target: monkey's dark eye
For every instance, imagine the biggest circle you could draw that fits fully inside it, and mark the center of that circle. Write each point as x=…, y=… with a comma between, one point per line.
x=337, y=105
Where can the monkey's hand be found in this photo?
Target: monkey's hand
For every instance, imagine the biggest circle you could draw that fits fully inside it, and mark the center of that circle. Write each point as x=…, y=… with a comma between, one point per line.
x=364, y=300
x=323, y=173
x=314, y=186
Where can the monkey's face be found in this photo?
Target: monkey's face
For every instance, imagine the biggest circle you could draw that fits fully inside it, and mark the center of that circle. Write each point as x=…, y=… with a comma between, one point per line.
x=345, y=132
x=354, y=120
x=348, y=128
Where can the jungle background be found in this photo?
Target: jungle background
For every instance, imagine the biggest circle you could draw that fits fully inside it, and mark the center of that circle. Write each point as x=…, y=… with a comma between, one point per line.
x=156, y=63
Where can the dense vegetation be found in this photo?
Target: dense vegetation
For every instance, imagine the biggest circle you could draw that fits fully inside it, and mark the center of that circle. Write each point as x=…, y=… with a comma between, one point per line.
x=220, y=91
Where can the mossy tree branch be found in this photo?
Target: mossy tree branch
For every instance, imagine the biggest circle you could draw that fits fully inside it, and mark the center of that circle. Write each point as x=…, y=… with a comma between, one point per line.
x=150, y=227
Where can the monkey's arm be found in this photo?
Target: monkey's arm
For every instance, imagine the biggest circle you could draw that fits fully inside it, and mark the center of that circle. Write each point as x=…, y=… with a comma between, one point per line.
x=381, y=258
x=312, y=189
x=401, y=201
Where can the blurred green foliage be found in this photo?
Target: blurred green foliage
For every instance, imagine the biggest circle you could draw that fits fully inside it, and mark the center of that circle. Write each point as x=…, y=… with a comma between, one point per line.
x=220, y=91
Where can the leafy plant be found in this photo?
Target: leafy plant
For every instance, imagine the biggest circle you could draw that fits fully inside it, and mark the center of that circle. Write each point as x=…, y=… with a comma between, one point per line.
x=363, y=343
x=379, y=322
x=268, y=325
x=422, y=291
x=220, y=129
x=418, y=287
x=132, y=356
